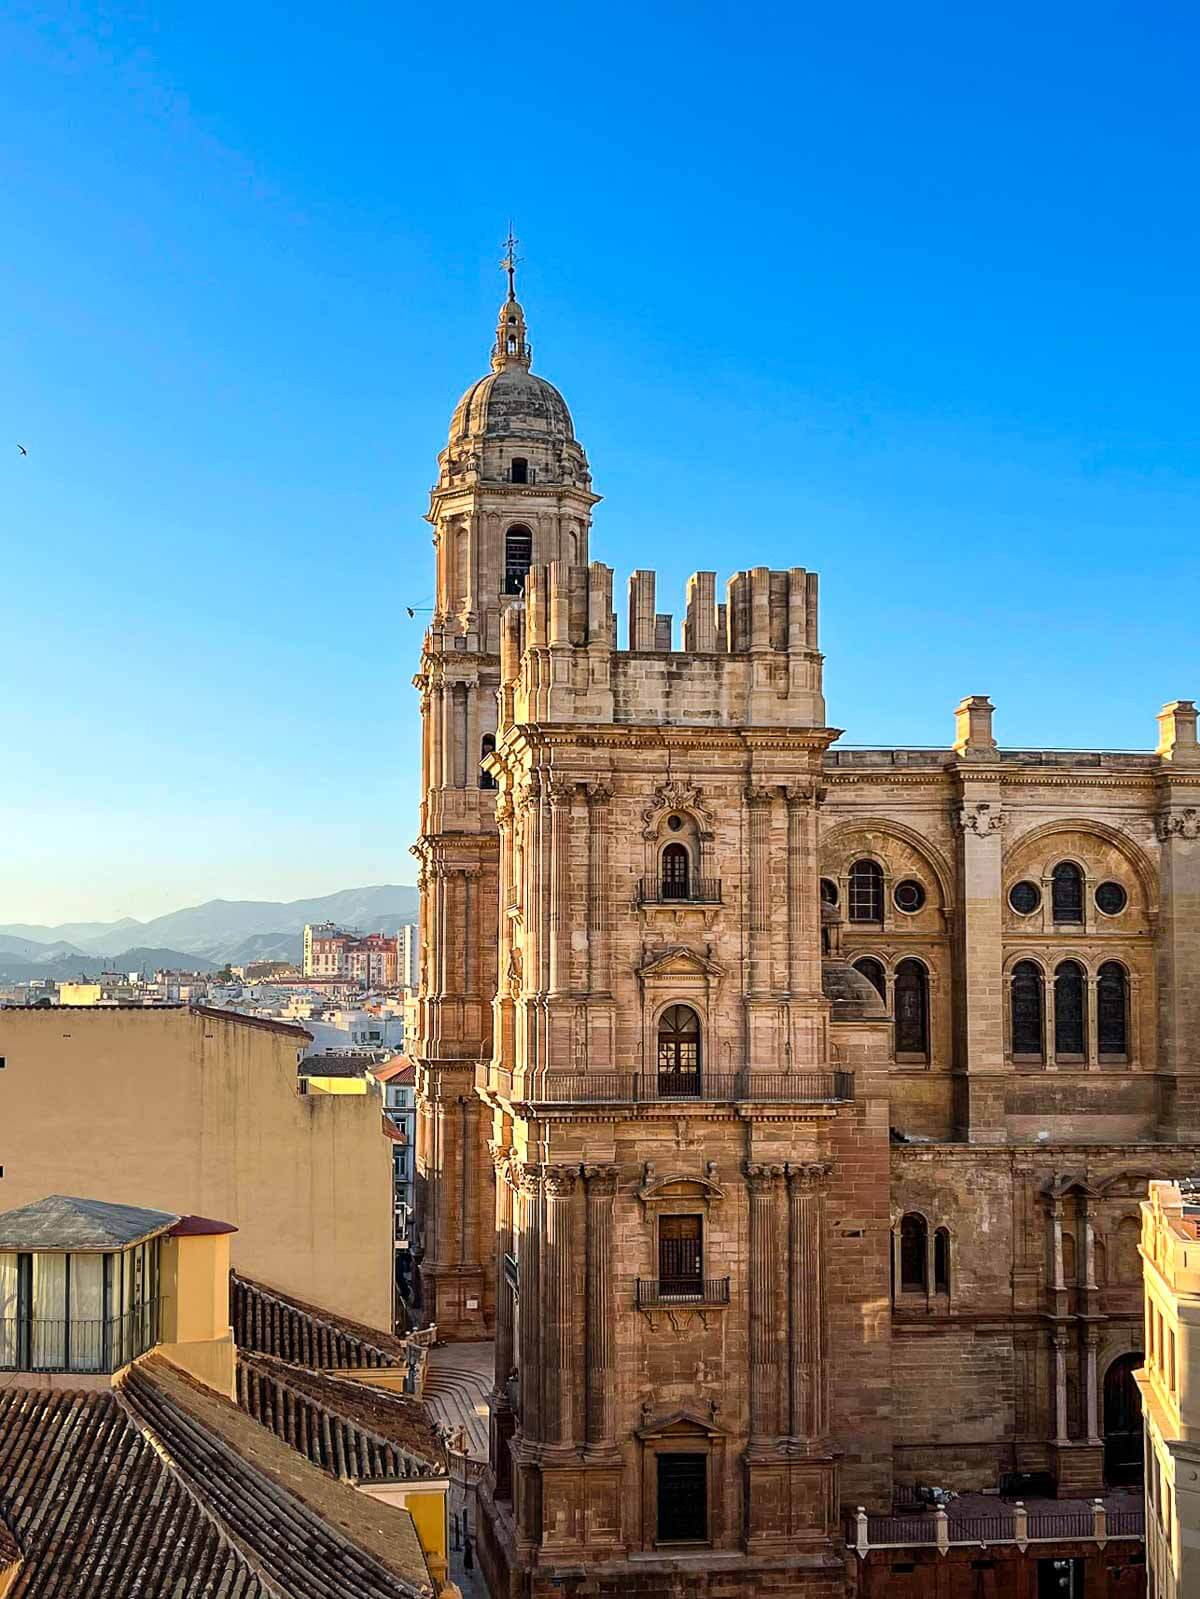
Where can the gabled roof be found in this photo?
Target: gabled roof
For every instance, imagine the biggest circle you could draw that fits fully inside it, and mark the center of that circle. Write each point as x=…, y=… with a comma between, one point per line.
x=63, y=1221
x=345, y=1426
x=160, y=1487
x=269, y=1322
x=334, y=1064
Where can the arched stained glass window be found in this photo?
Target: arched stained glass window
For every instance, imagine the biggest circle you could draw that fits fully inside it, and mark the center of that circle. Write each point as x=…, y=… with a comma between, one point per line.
x=1067, y=893
x=1070, y=1010
x=1112, y=1010
x=866, y=892
x=1027, y=1010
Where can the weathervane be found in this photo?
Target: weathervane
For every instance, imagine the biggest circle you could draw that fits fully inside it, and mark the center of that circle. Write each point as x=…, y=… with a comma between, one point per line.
x=511, y=261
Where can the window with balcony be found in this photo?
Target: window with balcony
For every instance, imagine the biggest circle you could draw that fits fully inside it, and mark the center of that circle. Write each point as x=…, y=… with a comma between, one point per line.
x=680, y=1257
x=679, y=1051
x=77, y=1312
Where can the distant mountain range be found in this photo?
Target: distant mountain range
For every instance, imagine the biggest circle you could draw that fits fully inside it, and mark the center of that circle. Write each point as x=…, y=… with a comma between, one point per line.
x=202, y=937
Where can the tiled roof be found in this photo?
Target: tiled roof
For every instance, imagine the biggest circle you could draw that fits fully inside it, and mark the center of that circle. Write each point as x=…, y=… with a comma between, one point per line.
x=344, y=1426
x=397, y=1070
x=334, y=1065
x=390, y=1130
x=10, y=1550
x=148, y=1489
x=62, y=1221
x=268, y=1322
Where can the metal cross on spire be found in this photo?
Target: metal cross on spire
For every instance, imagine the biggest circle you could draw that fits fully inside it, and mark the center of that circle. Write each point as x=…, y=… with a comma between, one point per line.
x=511, y=261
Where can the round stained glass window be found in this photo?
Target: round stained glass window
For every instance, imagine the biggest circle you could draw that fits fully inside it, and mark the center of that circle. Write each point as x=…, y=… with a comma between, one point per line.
x=1111, y=898
x=1024, y=898
x=909, y=895
x=674, y=823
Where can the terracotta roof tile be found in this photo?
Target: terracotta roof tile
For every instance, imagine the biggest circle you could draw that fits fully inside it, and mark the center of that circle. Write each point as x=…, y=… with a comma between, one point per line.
x=268, y=1322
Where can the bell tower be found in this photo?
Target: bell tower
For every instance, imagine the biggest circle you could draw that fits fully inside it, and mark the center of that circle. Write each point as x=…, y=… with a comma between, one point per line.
x=513, y=488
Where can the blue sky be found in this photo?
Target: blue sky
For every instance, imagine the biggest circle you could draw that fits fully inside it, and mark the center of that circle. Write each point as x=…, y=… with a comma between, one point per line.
x=907, y=295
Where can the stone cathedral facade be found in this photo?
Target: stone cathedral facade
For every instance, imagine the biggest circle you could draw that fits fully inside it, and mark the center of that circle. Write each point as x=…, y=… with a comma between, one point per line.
x=783, y=1111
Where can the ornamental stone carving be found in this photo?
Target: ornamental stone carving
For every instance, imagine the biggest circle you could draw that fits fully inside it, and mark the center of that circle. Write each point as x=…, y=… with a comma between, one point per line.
x=675, y=796
x=809, y=1176
x=1180, y=824
x=559, y=1181
x=981, y=819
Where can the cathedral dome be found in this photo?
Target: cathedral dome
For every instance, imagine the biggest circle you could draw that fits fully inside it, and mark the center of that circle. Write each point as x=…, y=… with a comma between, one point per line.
x=512, y=403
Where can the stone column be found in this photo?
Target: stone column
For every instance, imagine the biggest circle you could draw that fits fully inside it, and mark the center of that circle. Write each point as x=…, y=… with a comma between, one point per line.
x=502, y=1420
x=1060, y=1387
x=763, y=1184
x=1058, y=1281
x=979, y=968
x=437, y=734
x=529, y=1326
x=1091, y=1428
x=808, y=1344
x=557, y=1305
x=561, y=796
x=599, y=795
x=758, y=799
x=1084, y=1208
x=601, y=1184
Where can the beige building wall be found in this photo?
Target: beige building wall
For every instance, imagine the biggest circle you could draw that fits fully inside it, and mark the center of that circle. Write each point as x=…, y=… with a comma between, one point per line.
x=1170, y=1386
x=195, y=1111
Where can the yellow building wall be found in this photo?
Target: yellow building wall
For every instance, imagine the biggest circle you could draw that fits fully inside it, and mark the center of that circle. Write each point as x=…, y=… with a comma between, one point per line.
x=337, y=1085
x=79, y=993
x=195, y=1330
x=198, y=1114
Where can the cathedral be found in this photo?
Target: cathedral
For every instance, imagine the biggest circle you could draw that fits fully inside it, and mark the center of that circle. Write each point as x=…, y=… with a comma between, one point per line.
x=783, y=1110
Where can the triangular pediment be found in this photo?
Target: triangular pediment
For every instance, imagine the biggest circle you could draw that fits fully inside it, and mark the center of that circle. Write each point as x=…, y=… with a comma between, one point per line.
x=681, y=1422
x=679, y=962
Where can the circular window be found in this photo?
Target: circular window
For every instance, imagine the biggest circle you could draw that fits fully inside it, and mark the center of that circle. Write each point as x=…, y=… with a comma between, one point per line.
x=909, y=895
x=674, y=823
x=829, y=892
x=1111, y=898
x=1024, y=898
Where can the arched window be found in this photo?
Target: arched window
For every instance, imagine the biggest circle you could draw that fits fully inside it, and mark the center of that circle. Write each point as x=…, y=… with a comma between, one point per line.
x=487, y=747
x=1027, y=1011
x=1123, y=1435
x=519, y=472
x=679, y=1051
x=914, y=1254
x=941, y=1261
x=912, y=1011
x=518, y=558
x=1070, y=1011
x=1070, y=1261
x=1112, y=1011
x=866, y=892
x=675, y=871
x=1066, y=892
x=873, y=971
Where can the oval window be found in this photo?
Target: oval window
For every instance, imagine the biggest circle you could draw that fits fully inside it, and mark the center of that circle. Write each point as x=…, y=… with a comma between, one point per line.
x=1111, y=898
x=829, y=891
x=1024, y=898
x=909, y=895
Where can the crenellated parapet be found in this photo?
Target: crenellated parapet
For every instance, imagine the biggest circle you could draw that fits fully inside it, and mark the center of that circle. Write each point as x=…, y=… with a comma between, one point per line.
x=751, y=660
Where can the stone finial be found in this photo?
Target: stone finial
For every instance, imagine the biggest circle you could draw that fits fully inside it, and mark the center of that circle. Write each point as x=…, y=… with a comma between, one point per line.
x=973, y=739
x=641, y=610
x=1177, y=733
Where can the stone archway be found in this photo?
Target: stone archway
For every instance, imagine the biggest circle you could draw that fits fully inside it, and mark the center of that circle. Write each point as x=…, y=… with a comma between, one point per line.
x=1123, y=1450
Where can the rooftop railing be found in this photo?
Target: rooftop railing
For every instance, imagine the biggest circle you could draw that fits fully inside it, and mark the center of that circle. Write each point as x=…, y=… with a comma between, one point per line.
x=1007, y=1524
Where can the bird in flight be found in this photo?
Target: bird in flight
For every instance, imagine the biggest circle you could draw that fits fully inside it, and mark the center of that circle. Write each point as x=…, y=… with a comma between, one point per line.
x=22, y=449
x=410, y=610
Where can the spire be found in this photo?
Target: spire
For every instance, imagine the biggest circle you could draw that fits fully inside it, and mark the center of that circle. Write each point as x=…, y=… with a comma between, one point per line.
x=511, y=261
x=511, y=347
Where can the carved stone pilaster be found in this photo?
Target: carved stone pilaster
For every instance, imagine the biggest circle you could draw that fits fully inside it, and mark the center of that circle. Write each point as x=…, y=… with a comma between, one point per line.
x=598, y=797
x=529, y=1185
x=808, y=1384
x=763, y=1182
x=557, y=1301
x=601, y=1186
x=758, y=800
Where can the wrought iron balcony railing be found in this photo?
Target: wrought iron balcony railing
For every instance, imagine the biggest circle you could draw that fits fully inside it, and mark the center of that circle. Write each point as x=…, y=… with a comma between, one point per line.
x=695, y=891
x=649, y=1088
x=665, y=1292
x=34, y=1343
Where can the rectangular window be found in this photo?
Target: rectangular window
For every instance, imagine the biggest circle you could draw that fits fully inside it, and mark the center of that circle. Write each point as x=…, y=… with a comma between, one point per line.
x=682, y=1498
x=680, y=1256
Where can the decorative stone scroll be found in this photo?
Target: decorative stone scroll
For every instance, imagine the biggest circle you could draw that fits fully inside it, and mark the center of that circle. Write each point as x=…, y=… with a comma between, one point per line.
x=675, y=795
